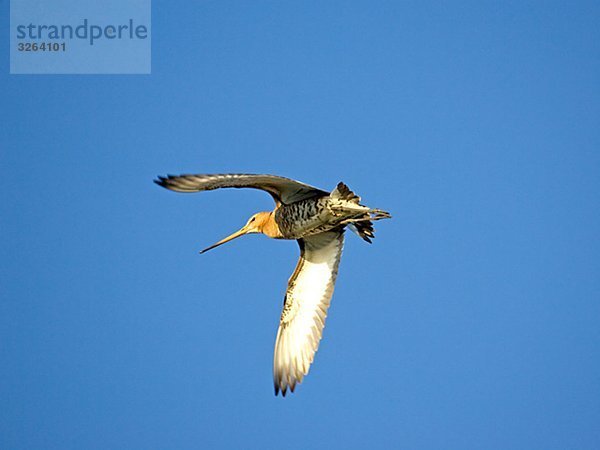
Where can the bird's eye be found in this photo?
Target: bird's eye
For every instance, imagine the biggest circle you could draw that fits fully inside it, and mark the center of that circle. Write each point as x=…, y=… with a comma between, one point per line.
x=253, y=219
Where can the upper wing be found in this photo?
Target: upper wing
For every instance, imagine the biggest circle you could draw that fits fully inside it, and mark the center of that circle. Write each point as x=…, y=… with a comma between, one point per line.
x=283, y=190
x=308, y=296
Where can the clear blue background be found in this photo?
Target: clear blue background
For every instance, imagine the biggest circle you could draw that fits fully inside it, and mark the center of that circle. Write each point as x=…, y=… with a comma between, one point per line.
x=471, y=322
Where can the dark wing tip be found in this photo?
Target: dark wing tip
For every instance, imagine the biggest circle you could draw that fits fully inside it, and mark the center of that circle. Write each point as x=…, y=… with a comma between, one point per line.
x=281, y=390
x=161, y=181
x=169, y=182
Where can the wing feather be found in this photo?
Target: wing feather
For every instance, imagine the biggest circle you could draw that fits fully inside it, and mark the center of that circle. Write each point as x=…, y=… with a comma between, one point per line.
x=305, y=308
x=283, y=190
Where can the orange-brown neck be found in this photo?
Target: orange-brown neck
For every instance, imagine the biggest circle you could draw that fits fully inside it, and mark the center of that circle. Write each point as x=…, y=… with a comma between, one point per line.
x=267, y=225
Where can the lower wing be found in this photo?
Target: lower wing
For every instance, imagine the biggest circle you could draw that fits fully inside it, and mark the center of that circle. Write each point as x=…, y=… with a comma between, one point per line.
x=306, y=302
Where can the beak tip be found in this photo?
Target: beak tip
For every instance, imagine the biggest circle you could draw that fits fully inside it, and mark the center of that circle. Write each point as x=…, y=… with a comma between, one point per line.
x=227, y=239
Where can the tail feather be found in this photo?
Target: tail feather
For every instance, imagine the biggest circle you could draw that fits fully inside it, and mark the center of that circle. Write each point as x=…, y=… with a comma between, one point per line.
x=343, y=192
x=364, y=229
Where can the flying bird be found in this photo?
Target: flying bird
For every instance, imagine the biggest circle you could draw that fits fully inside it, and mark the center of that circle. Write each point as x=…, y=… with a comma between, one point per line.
x=316, y=219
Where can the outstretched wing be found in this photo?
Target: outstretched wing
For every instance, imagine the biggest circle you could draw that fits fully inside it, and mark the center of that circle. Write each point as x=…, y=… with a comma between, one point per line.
x=306, y=302
x=283, y=190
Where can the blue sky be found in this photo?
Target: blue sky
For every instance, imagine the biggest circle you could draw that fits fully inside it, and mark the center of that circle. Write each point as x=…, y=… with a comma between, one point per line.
x=471, y=322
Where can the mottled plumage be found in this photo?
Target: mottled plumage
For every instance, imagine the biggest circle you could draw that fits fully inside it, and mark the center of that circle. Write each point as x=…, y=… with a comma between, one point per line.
x=316, y=219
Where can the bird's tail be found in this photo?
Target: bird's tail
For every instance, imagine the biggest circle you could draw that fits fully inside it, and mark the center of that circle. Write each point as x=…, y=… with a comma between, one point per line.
x=363, y=229
x=343, y=192
x=361, y=217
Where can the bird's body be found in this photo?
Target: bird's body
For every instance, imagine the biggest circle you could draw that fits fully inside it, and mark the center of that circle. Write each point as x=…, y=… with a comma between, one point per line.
x=317, y=215
x=316, y=219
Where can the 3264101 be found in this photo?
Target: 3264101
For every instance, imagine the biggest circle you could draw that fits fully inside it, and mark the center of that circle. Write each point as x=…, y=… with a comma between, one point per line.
x=41, y=47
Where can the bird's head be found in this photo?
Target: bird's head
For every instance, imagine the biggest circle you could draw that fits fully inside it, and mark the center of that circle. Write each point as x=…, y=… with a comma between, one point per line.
x=256, y=224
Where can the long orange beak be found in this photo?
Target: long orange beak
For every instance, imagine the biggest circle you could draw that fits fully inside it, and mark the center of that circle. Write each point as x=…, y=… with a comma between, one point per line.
x=231, y=237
